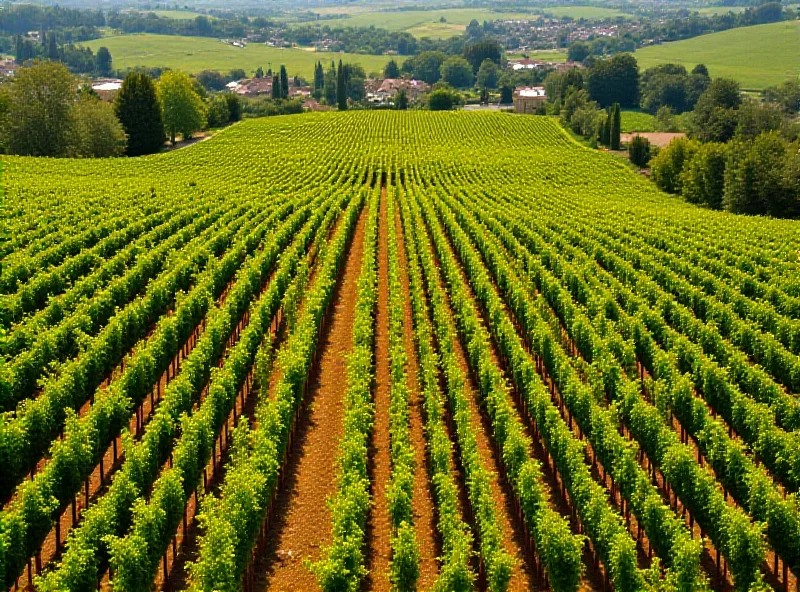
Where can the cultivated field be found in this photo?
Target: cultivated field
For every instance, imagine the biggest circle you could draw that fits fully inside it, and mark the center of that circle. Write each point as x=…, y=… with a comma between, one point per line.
x=334, y=349
x=192, y=54
x=427, y=23
x=757, y=56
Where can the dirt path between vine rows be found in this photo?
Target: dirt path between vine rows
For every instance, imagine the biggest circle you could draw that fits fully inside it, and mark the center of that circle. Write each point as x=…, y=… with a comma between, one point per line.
x=422, y=503
x=379, y=526
x=302, y=522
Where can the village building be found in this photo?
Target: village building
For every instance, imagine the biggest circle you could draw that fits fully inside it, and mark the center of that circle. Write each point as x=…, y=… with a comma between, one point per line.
x=7, y=67
x=106, y=88
x=380, y=93
x=529, y=99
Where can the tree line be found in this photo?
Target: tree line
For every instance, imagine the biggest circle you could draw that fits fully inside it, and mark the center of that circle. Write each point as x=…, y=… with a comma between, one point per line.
x=741, y=154
x=47, y=111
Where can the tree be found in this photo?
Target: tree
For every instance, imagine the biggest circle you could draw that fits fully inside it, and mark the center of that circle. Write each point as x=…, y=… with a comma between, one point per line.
x=276, y=87
x=259, y=72
x=341, y=88
x=103, y=61
x=639, y=151
x=665, y=120
x=217, y=109
x=442, y=99
x=703, y=176
x=605, y=132
x=330, y=85
x=616, y=127
x=234, y=107
x=139, y=112
x=665, y=85
x=426, y=66
x=211, y=80
x=96, y=131
x=183, y=110
x=755, y=177
x=5, y=106
x=319, y=80
x=401, y=100
x=506, y=95
x=52, y=48
x=787, y=95
x=714, y=116
x=615, y=80
x=457, y=72
x=754, y=118
x=667, y=166
x=488, y=74
x=40, y=105
x=284, y=83
x=391, y=70
x=475, y=53
x=578, y=51
x=354, y=77
x=19, y=50
x=237, y=74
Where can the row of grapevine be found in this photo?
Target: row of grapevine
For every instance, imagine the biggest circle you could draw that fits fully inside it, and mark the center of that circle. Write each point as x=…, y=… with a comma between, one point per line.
x=23, y=334
x=611, y=540
x=728, y=529
x=232, y=520
x=665, y=532
x=405, y=560
x=27, y=433
x=135, y=558
x=97, y=318
x=34, y=294
x=143, y=457
x=749, y=482
x=342, y=566
x=455, y=572
x=495, y=560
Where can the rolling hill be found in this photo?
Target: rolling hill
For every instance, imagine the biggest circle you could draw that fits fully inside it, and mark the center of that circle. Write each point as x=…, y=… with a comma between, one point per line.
x=193, y=54
x=757, y=56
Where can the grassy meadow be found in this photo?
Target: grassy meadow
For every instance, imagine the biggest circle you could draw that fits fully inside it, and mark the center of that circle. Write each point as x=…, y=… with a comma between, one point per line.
x=757, y=56
x=428, y=23
x=193, y=54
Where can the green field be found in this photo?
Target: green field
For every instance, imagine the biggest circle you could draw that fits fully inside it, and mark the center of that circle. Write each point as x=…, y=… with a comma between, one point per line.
x=712, y=10
x=584, y=12
x=757, y=56
x=181, y=15
x=637, y=121
x=427, y=23
x=404, y=20
x=193, y=54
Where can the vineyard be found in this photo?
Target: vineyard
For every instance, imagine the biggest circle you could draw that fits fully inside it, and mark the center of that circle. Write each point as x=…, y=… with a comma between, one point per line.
x=392, y=351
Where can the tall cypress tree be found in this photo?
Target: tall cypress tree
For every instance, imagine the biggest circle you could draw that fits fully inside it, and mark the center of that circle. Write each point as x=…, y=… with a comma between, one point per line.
x=605, y=139
x=52, y=48
x=616, y=126
x=341, y=88
x=284, y=83
x=276, y=87
x=139, y=111
x=19, y=50
x=319, y=77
